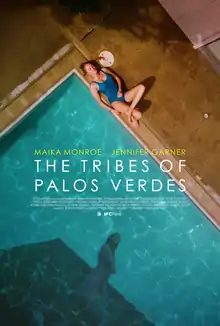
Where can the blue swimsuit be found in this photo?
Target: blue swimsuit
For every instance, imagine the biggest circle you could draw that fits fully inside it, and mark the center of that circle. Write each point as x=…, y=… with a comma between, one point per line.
x=109, y=88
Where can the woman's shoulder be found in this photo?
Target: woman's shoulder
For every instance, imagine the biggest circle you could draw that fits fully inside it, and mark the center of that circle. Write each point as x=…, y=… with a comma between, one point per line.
x=105, y=70
x=94, y=86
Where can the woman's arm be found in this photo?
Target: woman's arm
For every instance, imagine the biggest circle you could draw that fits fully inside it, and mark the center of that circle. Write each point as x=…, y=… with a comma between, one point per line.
x=118, y=80
x=95, y=93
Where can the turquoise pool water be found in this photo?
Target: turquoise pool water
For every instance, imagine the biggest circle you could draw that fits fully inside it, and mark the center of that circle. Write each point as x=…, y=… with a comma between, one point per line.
x=168, y=259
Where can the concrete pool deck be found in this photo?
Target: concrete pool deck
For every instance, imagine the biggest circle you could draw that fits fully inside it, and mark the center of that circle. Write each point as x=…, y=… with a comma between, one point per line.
x=21, y=54
x=184, y=87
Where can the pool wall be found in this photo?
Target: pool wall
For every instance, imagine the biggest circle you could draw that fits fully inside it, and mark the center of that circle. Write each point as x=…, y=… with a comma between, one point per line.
x=202, y=196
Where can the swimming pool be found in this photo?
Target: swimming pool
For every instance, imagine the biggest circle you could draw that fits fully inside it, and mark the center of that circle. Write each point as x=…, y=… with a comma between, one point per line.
x=168, y=260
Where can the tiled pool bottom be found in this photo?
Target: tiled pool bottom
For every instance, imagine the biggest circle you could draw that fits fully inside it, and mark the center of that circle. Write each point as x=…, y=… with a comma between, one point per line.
x=168, y=260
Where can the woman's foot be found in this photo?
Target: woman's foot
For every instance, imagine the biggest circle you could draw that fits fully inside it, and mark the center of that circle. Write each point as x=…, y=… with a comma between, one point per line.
x=134, y=123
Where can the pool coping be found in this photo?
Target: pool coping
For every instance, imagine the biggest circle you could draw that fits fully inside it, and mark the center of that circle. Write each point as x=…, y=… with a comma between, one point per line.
x=36, y=75
x=194, y=190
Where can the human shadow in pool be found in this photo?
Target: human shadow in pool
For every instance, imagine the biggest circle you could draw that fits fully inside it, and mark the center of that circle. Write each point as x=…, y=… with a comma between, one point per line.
x=93, y=289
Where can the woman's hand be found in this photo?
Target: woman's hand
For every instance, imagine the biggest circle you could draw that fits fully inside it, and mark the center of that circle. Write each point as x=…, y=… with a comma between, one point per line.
x=129, y=114
x=120, y=93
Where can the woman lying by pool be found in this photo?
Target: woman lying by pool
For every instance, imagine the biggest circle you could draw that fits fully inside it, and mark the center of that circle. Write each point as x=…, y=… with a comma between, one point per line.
x=104, y=81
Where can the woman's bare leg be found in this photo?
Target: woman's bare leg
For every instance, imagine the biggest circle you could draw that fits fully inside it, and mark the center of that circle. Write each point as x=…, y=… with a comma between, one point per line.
x=134, y=95
x=123, y=107
x=136, y=114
